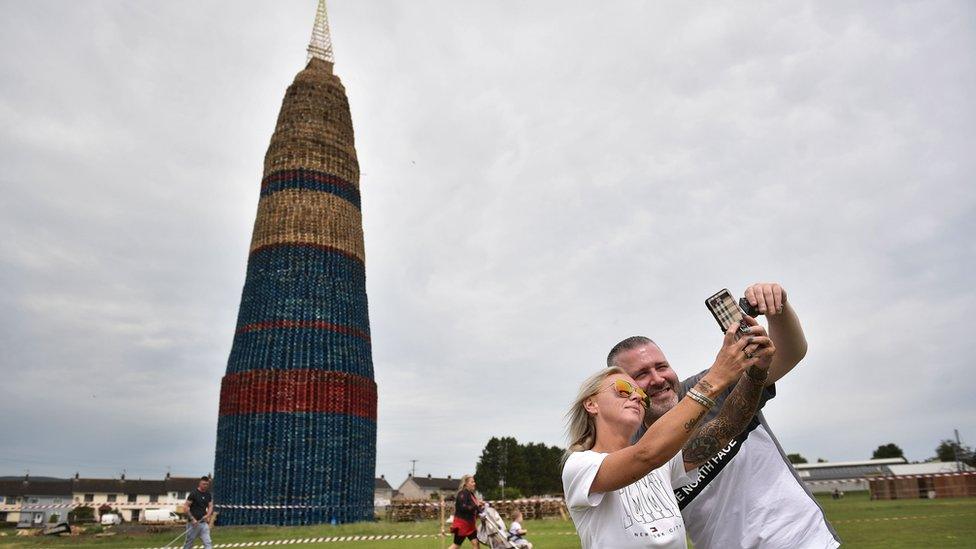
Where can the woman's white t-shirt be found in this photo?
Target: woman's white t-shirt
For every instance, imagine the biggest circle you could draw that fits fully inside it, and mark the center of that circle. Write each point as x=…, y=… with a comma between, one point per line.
x=644, y=514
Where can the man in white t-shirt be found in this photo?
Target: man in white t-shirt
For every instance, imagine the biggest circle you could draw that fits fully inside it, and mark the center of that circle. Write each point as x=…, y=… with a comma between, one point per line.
x=644, y=514
x=748, y=495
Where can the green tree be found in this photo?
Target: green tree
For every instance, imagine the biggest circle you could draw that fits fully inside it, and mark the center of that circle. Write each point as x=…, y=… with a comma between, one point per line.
x=501, y=460
x=527, y=469
x=81, y=514
x=948, y=450
x=890, y=450
x=796, y=458
x=544, y=469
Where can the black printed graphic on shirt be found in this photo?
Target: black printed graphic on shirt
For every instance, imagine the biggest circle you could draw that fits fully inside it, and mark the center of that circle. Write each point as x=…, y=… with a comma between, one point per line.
x=646, y=501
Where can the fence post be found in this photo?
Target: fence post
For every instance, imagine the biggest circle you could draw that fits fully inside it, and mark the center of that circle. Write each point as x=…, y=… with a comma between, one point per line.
x=443, y=535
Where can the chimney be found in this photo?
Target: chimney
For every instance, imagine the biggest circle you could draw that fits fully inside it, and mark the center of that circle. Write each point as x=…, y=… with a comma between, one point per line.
x=448, y=477
x=382, y=477
x=428, y=475
x=123, y=477
x=167, y=475
x=76, y=475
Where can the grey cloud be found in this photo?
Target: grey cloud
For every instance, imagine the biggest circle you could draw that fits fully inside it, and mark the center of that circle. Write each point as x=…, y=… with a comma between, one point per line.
x=539, y=181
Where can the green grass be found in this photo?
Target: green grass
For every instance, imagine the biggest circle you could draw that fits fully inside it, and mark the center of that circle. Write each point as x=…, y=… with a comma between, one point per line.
x=942, y=523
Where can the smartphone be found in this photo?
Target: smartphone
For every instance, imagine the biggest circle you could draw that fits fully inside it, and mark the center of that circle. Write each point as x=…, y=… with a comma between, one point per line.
x=723, y=307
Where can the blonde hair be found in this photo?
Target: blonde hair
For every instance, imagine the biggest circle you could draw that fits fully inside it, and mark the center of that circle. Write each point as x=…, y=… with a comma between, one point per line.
x=580, y=427
x=464, y=480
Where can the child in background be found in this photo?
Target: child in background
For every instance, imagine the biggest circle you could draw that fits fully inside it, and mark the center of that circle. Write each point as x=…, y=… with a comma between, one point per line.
x=515, y=532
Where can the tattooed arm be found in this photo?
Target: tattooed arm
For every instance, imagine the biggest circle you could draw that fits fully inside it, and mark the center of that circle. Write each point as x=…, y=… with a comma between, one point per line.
x=739, y=408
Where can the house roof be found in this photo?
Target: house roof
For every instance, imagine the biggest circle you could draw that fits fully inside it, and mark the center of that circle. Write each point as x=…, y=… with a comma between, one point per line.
x=845, y=472
x=435, y=483
x=929, y=468
x=36, y=487
x=381, y=484
x=838, y=464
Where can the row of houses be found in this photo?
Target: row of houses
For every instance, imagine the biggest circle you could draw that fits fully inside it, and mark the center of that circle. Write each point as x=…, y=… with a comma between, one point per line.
x=32, y=502
x=415, y=489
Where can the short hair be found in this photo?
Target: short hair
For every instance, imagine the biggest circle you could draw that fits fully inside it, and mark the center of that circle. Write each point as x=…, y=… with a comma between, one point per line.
x=628, y=344
x=205, y=477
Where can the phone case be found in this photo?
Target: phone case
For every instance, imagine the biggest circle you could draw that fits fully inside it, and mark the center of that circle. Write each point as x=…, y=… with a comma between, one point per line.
x=724, y=309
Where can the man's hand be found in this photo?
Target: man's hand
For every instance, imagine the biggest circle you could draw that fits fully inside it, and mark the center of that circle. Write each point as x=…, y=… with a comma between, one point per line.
x=764, y=349
x=739, y=353
x=768, y=297
x=784, y=327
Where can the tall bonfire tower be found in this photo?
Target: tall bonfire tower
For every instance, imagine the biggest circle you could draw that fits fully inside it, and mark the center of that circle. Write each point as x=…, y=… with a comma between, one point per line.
x=296, y=433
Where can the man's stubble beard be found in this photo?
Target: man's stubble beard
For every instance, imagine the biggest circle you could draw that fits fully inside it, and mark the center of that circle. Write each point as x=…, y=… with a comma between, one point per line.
x=655, y=411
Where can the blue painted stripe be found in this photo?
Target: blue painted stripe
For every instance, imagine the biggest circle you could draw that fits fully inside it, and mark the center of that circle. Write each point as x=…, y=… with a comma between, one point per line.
x=304, y=283
x=262, y=457
x=300, y=348
x=311, y=180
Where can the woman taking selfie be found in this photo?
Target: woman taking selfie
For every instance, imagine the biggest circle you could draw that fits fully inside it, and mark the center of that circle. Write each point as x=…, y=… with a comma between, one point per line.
x=622, y=495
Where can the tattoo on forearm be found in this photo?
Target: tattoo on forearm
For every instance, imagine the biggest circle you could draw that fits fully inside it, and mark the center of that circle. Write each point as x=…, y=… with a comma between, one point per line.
x=706, y=387
x=739, y=408
x=700, y=449
x=690, y=424
x=757, y=374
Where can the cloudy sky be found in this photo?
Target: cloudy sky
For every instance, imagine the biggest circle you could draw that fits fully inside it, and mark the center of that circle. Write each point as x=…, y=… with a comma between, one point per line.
x=539, y=181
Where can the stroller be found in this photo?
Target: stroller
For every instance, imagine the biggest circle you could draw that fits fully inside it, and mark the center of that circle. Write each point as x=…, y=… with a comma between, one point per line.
x=492, y=530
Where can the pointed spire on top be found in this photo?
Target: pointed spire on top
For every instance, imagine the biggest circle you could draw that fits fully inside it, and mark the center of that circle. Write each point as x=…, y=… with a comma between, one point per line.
x=320, y=46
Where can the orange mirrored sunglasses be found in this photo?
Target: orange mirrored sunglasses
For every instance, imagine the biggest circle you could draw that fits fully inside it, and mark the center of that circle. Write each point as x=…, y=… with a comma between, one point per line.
x=625, y=389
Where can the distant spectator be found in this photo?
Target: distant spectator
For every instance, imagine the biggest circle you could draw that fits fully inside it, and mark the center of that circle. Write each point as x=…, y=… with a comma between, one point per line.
x=466, y=507
x=199, y=505
x=516, y=534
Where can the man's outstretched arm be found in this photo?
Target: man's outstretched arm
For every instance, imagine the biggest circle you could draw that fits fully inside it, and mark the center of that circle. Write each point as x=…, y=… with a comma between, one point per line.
x=784, y=327
x=739, y=408
x=737, y=411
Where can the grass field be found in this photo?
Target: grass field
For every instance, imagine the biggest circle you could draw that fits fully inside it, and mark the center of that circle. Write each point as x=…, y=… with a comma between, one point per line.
x=942, y=523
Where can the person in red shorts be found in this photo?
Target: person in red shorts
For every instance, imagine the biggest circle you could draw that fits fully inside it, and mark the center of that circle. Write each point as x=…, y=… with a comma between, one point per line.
x=466, y=508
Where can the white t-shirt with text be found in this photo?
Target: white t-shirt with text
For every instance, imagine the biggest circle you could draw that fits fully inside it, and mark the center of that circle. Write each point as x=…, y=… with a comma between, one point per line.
x=643, y=514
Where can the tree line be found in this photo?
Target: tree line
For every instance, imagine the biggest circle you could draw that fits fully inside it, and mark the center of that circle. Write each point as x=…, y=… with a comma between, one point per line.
x=510, y=470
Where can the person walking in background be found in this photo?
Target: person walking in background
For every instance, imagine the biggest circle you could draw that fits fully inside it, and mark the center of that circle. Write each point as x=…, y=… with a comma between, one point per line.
x=199, y=506
x=516, y=533
x=466, y=507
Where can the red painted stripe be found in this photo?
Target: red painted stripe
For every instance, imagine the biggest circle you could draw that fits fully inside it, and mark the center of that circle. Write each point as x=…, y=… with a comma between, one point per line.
x=316, y=324
x=308, y=245
x=284, y=391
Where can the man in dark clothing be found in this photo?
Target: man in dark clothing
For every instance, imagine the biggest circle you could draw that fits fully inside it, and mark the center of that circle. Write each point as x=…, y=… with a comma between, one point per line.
x=199, y=505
